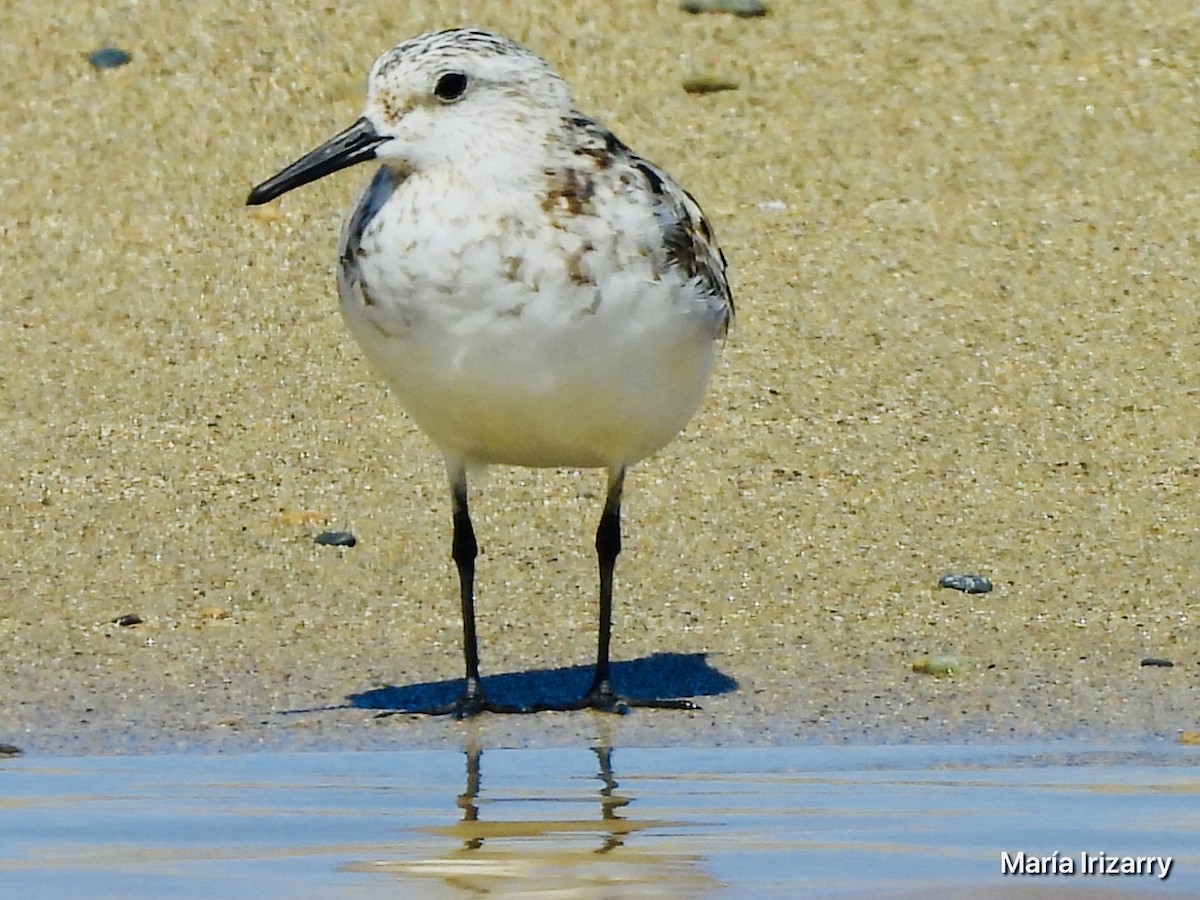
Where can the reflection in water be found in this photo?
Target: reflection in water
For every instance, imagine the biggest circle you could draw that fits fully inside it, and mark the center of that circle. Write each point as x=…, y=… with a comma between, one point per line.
x=610, y=801
x=612, y=825
x=545, y=844
x=466, y=800
x=853, y=822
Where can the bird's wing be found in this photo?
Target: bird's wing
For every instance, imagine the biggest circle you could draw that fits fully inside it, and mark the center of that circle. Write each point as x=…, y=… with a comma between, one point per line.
x=687, y=238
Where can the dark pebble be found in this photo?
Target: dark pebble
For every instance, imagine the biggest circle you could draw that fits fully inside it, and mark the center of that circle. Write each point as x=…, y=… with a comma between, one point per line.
x=1157, y=661
x=128, y=619
x=109, y=58
x=336, y=539
x=745, y=8
x=708, y=84
x=968, y=584
x=10, y=750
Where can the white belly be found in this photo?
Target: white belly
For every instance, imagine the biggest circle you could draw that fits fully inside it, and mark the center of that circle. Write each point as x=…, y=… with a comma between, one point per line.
x=510, y=343
x=514, y=390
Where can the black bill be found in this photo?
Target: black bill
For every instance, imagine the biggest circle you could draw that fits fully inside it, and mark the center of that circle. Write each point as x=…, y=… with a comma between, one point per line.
x=354, y=145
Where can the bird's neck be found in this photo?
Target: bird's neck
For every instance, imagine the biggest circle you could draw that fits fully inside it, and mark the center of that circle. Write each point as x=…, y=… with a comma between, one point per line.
x=499, y=160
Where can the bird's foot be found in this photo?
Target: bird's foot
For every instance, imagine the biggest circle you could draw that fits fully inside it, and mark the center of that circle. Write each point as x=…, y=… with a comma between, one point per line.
x=602, y=698
x=469, y=705
x=472, y=702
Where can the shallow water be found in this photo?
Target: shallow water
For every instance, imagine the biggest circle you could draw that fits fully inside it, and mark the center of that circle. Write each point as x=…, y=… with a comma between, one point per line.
x=595, y=822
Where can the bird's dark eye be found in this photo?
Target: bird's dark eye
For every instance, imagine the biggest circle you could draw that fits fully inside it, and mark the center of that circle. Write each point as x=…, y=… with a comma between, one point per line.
x=450, y=87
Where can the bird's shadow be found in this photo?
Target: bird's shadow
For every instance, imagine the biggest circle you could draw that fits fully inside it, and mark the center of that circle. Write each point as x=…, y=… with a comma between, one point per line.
x=660, y=676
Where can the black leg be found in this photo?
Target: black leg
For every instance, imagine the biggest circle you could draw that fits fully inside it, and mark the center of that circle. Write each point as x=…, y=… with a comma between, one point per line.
x=464, y=549
x=608, y=545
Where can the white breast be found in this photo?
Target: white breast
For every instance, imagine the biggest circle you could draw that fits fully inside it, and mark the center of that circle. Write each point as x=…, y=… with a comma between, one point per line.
x=512, y=339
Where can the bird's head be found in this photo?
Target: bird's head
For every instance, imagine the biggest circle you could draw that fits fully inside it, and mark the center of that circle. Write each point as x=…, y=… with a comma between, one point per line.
x=457, y=99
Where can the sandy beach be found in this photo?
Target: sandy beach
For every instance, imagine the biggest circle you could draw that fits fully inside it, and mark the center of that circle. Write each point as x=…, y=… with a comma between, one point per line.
x=963, y=244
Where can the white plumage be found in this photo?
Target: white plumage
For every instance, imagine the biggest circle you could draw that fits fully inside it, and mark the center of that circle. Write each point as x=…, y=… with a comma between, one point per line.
x=534, y=292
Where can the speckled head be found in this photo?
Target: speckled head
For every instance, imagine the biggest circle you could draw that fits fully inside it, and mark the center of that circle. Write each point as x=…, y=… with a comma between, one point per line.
x=444, y=95
x=463, y=98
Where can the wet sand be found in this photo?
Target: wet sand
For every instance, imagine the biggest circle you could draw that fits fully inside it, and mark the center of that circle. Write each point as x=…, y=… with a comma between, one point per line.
x=962, y=242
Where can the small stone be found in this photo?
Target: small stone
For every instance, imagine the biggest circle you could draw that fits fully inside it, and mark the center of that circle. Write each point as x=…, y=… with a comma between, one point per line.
x=336, y=539
x=1158, y=661
x=968, y=584
x=10, y=750
x=744, y=8
x=128, y=619
x=939, y=664
x=708, y=84
x=109, y=58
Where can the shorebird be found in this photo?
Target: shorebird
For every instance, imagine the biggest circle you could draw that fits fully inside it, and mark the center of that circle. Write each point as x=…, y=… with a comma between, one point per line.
x=534, y=292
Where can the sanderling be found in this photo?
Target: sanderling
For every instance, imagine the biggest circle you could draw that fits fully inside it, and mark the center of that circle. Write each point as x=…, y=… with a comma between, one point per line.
x=535, y=293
